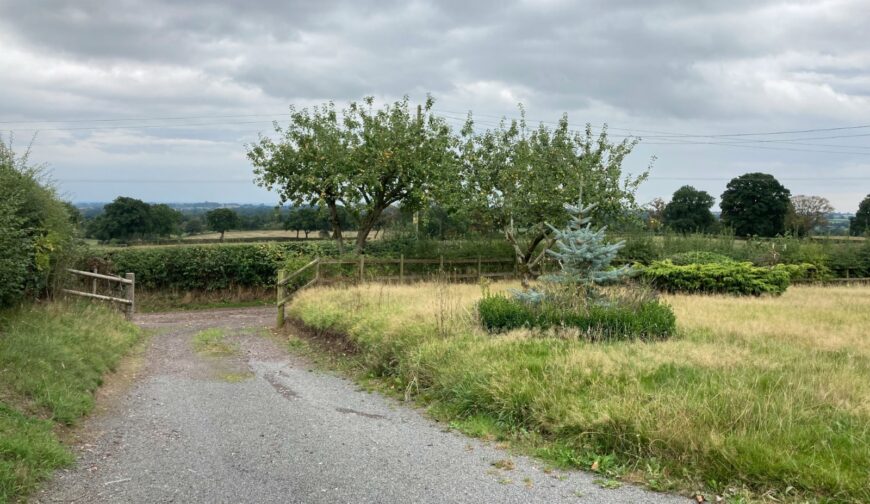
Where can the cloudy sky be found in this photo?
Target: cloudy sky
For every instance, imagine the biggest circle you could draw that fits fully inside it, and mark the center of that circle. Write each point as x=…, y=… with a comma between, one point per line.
x=157, y=99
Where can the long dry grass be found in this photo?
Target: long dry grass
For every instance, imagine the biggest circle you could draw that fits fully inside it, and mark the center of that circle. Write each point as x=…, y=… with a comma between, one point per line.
x=762, y=395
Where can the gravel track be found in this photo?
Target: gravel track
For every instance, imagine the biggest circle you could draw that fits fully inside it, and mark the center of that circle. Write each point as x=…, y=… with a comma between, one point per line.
x=263, y=426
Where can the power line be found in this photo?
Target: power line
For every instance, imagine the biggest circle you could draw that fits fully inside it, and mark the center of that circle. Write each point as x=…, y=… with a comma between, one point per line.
x=659, y=132
x=46, y=121
x=676, y=141
x=148, y=126
x=667, y=138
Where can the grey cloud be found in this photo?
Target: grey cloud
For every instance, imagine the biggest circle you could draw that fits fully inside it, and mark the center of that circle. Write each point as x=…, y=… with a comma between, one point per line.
x=698, y=66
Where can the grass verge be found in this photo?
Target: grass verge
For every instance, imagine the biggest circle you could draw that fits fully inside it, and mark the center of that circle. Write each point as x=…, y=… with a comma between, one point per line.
x=755, y=397
x=52, y=359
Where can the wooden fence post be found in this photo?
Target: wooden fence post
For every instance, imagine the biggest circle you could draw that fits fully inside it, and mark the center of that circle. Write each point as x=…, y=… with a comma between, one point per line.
x=279, y=297
x=94, y=283
x=131, y=295
x=402, y=269
x=479, y=271
x=317, y=272
x=362, y=268
x=441, y=267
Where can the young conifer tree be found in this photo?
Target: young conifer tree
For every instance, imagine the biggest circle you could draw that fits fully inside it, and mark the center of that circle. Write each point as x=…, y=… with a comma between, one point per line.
x=583, y=255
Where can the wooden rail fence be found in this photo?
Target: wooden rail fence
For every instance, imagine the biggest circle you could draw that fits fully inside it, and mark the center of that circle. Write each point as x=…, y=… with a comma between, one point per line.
x=289, y=283
x=128, y=282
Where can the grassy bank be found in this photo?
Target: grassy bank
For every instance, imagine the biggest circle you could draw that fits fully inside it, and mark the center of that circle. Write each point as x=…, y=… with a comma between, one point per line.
x=52, y=359
x=754, y=396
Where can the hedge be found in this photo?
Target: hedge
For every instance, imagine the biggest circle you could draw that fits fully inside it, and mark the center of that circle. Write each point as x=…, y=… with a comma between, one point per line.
x=718, y=278
x=649, y=320
x=255, y=265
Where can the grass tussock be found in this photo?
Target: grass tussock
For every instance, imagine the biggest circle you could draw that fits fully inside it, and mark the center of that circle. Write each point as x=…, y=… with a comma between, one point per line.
x=213, y=342
x=52, y=359
x=754, y=396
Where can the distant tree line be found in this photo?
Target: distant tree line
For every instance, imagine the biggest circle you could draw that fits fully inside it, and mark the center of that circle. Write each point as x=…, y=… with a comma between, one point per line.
x=754, y=204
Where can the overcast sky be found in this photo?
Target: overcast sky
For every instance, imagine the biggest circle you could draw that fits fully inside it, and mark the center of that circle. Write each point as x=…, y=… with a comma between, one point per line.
x=660, y=70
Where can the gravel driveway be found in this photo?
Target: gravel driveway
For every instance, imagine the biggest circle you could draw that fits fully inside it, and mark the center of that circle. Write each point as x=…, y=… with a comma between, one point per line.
x=261, y=425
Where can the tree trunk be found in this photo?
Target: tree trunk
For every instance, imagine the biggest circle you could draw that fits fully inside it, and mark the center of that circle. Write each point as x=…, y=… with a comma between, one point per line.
x=525, y=259
x=336, y=225
x=365, y=227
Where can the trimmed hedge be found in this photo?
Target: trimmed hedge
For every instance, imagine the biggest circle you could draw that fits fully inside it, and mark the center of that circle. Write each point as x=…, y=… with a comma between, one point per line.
x=649, y=320
x=717, y=278
x=199, y=268
x=255, y=265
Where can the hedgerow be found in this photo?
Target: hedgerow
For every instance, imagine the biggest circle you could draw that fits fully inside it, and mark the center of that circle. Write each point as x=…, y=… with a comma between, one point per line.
x=255, y=265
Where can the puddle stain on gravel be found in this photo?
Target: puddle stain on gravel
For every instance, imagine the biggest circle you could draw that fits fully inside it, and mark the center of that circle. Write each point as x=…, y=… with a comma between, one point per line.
x=349, y=411
x=285, y=392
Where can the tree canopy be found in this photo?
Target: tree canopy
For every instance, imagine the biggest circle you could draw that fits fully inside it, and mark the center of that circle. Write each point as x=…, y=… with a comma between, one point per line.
x=755, y=204
x=367, y=160
x=222, y=220
x=129, y=218
x=519, y=179
x=689, y=211
x=860, y=223
x=807, y=213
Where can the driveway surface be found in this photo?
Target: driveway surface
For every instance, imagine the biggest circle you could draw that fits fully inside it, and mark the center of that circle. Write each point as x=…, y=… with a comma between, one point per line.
x=261, y=425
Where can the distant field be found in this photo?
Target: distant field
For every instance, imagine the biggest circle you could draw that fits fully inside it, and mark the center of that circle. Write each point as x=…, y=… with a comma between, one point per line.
x=236, y=237
x=271, y=234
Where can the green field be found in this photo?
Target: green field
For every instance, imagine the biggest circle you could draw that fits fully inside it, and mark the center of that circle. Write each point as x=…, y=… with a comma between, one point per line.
x=755, y=396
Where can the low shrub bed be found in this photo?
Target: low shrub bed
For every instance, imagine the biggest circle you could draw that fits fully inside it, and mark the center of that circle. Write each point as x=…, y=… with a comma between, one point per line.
x=741, y=279
x=52, y=359
x=647, y=320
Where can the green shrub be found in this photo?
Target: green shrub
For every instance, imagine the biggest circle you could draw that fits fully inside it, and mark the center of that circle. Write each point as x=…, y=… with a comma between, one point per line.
x=36, y=231
x=647, y=320
x=638, y=249
x=700, y=257
x=717, y=278
x=804, y=272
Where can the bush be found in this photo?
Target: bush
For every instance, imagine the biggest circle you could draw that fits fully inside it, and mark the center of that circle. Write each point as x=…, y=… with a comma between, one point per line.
x=35, y=230
x=638, y=249
x=696, y=257
x=804, y=272
x=647, y=320
x=717, y=278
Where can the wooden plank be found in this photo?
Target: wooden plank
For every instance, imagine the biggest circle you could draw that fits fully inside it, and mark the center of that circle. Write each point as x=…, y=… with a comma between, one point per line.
x=297, y=273
x=98, y=275
x=98, y=296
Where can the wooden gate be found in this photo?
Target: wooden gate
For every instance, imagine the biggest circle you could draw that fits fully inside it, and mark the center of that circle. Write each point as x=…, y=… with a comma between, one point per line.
x=128, y=282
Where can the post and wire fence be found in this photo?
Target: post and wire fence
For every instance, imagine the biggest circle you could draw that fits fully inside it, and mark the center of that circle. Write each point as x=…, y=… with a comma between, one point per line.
x=331, y=271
